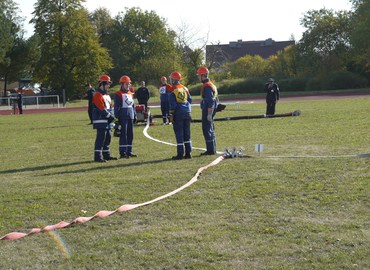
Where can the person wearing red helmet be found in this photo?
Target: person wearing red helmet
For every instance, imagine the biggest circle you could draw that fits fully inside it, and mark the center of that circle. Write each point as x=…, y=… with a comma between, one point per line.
x=208, y=105
x=103, y=118
x=164, y=92
x=180, y=109
x=124, y=110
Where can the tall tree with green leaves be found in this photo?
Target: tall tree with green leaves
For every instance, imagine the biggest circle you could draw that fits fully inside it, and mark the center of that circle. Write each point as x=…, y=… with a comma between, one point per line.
x=360, y=36
x=325, y=44
x=284, y=63
x=11, y=40
x=104, y=23
x=142, y=46
x=71, y=52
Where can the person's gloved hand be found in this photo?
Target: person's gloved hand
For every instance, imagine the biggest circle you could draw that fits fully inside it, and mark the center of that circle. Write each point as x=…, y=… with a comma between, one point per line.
x=110, y=118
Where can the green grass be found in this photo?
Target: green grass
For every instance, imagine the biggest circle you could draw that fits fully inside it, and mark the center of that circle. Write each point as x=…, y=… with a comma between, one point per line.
x=272, y=211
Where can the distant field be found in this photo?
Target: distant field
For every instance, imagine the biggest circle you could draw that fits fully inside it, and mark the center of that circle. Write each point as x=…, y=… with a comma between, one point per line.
x=303, y=203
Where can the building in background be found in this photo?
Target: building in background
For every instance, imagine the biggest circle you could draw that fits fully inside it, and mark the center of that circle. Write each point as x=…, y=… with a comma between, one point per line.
x=222, y=53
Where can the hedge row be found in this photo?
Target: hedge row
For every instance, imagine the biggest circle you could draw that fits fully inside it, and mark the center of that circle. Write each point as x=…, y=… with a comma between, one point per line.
x=334, y=81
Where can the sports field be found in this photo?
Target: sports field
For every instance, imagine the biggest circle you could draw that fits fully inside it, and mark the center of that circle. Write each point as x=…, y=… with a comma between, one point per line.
x=302, y=203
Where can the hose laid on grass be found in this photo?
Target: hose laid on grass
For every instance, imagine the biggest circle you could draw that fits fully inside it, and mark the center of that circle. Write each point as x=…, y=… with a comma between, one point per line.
x=105, y=213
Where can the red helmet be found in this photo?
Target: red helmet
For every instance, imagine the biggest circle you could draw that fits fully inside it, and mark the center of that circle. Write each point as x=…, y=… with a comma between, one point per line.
x=125, y=79
x=163, y=78
x=105, y=78
x=202, y=70
x=176, y=76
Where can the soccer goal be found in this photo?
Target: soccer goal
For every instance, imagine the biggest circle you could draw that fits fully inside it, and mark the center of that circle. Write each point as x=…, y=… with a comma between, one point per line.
x=30, y=102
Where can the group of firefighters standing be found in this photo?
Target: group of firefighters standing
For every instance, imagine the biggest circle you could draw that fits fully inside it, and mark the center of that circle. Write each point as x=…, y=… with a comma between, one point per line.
x=176, y=110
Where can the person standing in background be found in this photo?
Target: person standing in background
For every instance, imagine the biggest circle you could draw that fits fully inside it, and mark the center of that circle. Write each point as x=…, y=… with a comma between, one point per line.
x=20, y=101
x=90, y=94
x=142, y=95
x=272, y=96
x=164, y=91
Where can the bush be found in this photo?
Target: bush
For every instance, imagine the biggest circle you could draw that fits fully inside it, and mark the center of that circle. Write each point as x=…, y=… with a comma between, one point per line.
x=241, y=86
x=344, y=80
x=195, y=89
x=292, y=84
x=313, y=84
x=153, y=90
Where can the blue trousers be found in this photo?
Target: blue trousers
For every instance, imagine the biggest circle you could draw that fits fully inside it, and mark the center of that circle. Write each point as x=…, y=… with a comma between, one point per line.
x=165, y=108
x=181, y=126
x=126, y=137
x=102, y=144
x=208, y=129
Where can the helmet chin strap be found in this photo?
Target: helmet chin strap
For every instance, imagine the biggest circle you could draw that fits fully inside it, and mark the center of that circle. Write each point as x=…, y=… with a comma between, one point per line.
x=124, y=89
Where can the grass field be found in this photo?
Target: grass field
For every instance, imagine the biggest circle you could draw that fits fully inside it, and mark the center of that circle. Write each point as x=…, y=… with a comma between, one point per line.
x=303, y=203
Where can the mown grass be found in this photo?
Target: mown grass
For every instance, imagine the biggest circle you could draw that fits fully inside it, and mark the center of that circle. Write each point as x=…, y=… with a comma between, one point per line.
x=272, y=211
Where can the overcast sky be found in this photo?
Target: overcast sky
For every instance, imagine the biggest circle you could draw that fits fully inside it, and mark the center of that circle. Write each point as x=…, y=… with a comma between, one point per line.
x=230, y=21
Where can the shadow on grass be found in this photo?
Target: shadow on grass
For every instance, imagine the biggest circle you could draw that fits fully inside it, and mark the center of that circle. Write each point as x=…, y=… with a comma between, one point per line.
x=45, y=167
x=108, y=166
x=103, y=167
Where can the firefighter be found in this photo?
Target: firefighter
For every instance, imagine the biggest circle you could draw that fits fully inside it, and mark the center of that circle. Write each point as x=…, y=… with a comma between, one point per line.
x=208, y=106
x=180, y=109
x=103, y=118
x=124, y=110
x=272, y=96
x=164, y=91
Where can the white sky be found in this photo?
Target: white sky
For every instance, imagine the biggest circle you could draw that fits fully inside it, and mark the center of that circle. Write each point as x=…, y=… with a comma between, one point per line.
x=230, y=21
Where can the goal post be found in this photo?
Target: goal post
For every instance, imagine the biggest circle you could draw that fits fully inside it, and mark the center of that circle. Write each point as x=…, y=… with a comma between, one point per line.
x=31, y=102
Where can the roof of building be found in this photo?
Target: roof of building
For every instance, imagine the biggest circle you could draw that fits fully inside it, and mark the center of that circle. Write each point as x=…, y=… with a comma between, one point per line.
x=236, y=49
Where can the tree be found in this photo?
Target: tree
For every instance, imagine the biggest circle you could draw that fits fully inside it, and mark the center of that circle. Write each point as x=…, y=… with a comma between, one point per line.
x=325, y=44
x=360, y=35
x=71, y=53
x=104, y=23
x=247, y=66
x=10, y=36
x=142, y=46
x=284, y=63
x=192, y=48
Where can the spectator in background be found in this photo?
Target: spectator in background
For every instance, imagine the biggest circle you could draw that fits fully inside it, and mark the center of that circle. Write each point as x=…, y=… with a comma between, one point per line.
x=20, y=101
x=142, y=95
x=272, y=96
x=164, y=91
x=90, y=94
